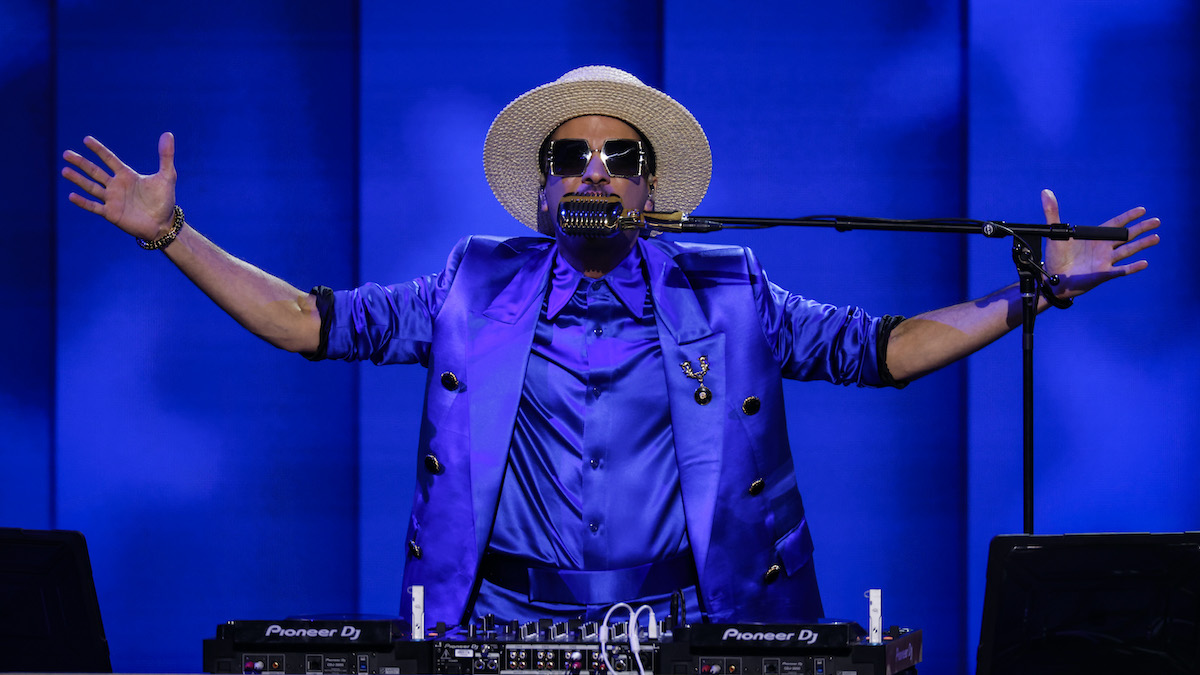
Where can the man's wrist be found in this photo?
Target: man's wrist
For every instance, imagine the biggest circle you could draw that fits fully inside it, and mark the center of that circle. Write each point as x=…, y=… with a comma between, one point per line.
x=1048, y=288
x=177, y=223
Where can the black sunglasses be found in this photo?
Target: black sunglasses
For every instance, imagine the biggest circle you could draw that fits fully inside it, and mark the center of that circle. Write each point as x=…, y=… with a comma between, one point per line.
x=622, y=157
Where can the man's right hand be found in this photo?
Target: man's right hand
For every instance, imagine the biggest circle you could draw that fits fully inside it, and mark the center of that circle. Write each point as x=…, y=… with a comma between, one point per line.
x=143, y=206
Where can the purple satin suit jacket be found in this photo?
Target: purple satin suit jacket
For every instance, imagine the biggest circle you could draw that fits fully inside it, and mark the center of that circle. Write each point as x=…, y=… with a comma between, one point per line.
x=472, y=326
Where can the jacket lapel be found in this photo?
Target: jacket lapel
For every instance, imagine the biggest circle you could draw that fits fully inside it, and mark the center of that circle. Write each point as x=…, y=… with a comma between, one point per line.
x=501, y=336
x=685, y=335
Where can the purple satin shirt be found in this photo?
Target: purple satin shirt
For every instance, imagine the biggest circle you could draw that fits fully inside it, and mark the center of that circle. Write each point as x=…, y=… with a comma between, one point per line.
x=593, y=416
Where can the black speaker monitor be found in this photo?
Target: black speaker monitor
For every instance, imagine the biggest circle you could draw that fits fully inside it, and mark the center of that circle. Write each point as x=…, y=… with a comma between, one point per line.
x=49, y=613
x=1092, y=603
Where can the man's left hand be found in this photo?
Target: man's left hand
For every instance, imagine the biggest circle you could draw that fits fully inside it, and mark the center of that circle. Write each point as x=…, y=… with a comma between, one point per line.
x=1084, y=264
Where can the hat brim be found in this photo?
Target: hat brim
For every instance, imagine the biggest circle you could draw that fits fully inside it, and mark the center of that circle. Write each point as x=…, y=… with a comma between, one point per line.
x=683, y=157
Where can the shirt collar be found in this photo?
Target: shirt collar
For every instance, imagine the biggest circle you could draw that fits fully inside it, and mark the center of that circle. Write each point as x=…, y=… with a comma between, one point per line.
x=626, y=280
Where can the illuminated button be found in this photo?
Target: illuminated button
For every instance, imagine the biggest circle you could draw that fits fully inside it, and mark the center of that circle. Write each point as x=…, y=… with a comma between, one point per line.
x=413, y=549
x=751, y=405
x=772, y=573
x=449, y=381
x=757, y=486
x=432, y=464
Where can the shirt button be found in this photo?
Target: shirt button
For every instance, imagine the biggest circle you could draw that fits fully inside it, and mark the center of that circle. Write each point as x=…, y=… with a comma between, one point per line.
x=598, y=330
x=413, y=549
x=597, y=285
x=595, y=463
x=449, y=381
x=757, y=486
x=596, y=392
x=593, y=526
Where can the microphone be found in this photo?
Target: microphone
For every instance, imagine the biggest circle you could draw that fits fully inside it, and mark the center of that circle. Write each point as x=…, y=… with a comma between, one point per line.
x=603, y=215
x=589, y=215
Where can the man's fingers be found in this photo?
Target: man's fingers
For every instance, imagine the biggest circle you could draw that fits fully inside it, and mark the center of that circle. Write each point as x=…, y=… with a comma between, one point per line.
x=1126, y=270
x=1126, y=218
x=1050, y=207
x=166, y=153
x=86, y=204
x=92, y=187
x=113, y=162
x=1134, y=247
x=1138, y=229
x=91, y=170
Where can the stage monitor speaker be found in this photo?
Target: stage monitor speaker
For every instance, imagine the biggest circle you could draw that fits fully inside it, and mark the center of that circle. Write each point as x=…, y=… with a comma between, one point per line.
x=49, y=613
x=1092, y=603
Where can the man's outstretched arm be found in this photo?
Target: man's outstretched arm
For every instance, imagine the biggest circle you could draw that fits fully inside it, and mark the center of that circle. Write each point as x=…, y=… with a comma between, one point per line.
x=144, y=206
x=929, y=341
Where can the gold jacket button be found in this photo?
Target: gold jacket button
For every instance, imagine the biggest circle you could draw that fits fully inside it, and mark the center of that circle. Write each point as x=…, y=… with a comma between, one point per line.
x=432, y=464
x=757, y=486
x=772, y=573
x=449, y=381
x=413, y=549
x=751, y=405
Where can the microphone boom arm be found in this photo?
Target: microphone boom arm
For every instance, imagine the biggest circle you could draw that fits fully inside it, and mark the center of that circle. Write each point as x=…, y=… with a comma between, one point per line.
x=677, y=221
x=603, y=215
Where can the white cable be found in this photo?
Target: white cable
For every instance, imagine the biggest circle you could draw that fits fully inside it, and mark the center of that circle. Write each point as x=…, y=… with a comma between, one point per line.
x=604, y=636
x=635, y=644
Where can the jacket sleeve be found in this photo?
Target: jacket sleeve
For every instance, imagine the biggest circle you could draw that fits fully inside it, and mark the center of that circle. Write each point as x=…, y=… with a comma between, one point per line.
x=817, y=341
x=385, y=324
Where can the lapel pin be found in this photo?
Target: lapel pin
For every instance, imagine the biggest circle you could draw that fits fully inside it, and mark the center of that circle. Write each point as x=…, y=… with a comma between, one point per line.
x=703, y=394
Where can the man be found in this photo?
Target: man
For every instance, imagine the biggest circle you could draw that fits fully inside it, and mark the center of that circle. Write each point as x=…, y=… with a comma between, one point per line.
x=604, y=417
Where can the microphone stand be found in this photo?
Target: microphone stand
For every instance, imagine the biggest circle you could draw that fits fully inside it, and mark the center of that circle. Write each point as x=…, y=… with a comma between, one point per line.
x=1026, y=254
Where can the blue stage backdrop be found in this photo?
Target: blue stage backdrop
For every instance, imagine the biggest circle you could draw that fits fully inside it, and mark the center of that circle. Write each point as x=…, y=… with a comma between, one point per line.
x=335, y=143
x=27, y=264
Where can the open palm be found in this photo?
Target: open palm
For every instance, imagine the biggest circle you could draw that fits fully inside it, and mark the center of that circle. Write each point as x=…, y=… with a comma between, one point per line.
x=140, y=205
x=1084, y=264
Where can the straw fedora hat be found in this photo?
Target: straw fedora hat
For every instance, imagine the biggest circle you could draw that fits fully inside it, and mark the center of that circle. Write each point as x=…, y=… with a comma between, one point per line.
x=684, y=160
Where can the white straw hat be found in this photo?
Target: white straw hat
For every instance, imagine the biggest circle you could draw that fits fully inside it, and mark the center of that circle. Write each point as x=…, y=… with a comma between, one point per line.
x=510, y=153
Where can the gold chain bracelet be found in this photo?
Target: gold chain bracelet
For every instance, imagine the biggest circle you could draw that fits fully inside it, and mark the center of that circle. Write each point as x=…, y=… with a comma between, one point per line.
x=167, y=238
